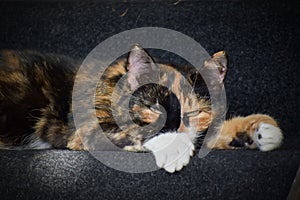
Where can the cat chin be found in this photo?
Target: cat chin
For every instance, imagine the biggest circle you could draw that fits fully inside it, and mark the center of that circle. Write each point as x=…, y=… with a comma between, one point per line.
x=268, y=137
x=172, y=150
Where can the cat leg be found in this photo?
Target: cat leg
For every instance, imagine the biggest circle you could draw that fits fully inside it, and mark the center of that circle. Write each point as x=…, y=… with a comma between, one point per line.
x=135, y=148
x=75, y=143
x=254, y=131
x=54, y=129
x=32, y=141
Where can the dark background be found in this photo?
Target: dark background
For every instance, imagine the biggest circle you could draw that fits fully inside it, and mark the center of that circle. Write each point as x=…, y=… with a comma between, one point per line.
x=262, y=42
x=261, y=39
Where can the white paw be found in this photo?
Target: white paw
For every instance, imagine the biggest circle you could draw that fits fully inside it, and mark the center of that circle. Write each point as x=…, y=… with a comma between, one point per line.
x=268, y=137
x=172, y=151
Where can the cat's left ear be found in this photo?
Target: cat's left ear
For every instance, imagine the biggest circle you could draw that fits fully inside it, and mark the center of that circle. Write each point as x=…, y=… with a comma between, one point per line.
x=218, y=60
x=140, y=66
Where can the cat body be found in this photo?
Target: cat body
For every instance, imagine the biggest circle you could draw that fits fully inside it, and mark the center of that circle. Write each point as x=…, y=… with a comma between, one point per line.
x=36, y=106
x=35, y=96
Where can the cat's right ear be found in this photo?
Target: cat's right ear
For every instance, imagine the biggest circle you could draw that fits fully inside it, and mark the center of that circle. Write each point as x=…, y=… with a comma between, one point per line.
x=140, y=65
x=219, y=61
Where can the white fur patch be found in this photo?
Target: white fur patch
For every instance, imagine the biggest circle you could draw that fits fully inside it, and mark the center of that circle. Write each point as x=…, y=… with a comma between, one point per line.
x=34, y=142
x=268, y=137
x=172, y=150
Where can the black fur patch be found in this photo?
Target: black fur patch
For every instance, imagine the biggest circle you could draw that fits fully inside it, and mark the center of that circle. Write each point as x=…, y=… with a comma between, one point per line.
x=240, y=140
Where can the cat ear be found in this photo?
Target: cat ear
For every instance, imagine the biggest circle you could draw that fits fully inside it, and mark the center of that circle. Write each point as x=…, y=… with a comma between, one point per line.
x=140, y=65
x=218, y=60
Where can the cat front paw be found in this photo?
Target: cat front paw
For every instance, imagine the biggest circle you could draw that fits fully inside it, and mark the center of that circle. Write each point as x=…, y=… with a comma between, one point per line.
x=268, y=137
x=172, y=151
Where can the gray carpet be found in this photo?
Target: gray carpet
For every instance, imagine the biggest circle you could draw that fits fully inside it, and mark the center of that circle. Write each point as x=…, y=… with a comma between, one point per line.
x=62, y=174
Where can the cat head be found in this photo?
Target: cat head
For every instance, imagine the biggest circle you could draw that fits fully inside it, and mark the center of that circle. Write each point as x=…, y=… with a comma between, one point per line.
x=169, y=91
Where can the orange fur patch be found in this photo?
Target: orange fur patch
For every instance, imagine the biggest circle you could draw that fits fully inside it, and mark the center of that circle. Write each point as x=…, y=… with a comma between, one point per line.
x=230, y=128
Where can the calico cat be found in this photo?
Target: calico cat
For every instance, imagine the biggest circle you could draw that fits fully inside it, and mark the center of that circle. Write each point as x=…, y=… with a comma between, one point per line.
x=35, y=105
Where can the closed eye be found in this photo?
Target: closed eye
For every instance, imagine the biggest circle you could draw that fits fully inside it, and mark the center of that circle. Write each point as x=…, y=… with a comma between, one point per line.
x=192, y=113
x=155, y=110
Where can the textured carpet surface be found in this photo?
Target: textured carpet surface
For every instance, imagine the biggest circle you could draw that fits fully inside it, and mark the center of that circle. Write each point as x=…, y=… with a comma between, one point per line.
x=59, y=174
x=262, y=41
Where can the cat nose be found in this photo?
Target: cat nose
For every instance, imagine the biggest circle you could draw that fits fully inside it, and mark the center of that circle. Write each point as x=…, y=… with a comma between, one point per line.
x=172, y=123
x=172, y=107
